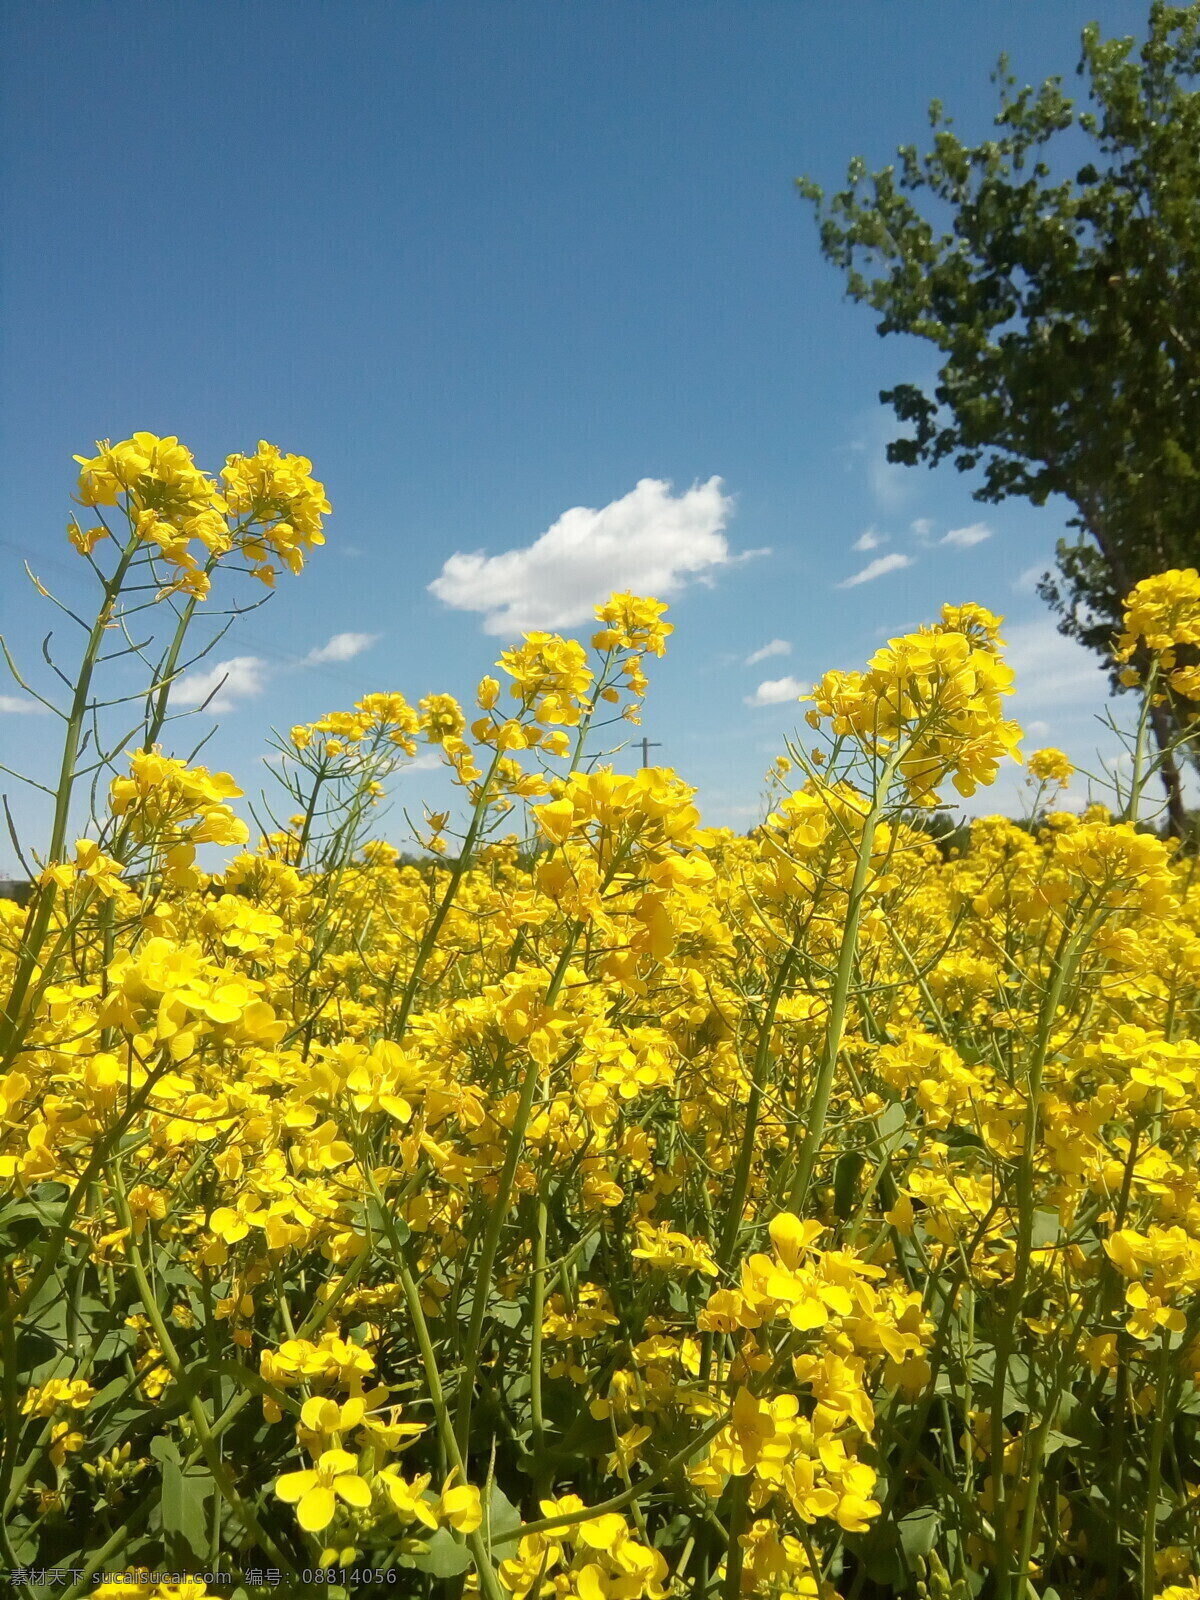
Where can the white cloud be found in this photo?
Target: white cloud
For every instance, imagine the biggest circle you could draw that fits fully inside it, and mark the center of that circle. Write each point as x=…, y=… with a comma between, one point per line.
x=964, y=538
x=890, y=483
x=427, y=761
x=1053, y=672
x=775, y=691
x=239, y=678
x=777, y=647
x=649, y=541
x=870, y=539
x=342, y=647
x=1037, y=729
x=15, y=706
x=921, y=526
x=1027, y=581
x=876, y=569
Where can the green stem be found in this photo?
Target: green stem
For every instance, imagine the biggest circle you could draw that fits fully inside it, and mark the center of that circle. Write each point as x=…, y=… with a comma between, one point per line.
x=537, y=1317
x=734, y=1551
x=41, y=907
x=99, y=1562
x=1162, y=1410
x=158, y=716
x=480, y=1554
x=746, y=1152
x=430, y=937
x=819, y=1105
x=1070, y=946
x=1034, y=1467
x=212, y=1456
x=13, y=1422
x=499, y=1213
x=1139, y=751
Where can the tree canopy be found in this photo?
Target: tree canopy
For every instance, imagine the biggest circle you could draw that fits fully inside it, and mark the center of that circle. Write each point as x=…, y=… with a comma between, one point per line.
x=1056, y=268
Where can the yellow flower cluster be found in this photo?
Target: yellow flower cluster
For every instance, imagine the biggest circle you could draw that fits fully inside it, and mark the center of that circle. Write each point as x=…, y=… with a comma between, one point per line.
x=620, y=1208
x=1050, y=766
x=600, y=1559
x=271, y=499
x=934, y=697
x=1162, y=614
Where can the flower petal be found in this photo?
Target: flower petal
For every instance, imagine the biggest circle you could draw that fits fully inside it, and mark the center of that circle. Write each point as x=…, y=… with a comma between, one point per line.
x=316, y=1509
x=353, y=1490
x=294, y=1485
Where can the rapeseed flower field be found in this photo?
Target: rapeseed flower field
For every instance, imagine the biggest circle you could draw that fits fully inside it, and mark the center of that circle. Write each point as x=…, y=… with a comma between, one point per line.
x=610, y=1208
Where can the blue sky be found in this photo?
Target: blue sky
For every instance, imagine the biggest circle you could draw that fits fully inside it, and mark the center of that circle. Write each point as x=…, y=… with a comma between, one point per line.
x=485, y=264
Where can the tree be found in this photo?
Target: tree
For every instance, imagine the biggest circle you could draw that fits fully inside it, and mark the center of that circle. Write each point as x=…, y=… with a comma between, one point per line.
x=1067, y=311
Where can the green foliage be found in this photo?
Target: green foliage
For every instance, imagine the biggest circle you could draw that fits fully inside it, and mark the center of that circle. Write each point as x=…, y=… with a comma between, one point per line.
x=1066, y=309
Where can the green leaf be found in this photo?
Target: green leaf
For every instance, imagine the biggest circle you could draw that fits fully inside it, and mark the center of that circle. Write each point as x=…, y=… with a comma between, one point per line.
x=25, y=1225
x=502, y=1515
x=959, y=1138
x=184, y=1519
x=1016, y=1387
x=48, y=1308
x=677, y=1299
x=24, y=1545
x=115, y=1343
x=443, y=1556
x=846, y=1173
x=111, y=1391
x=382, y=1221
x=1047, y=1229
x=918, y=1531
x=883, y=1566
x=1055, y=1441
x=891, y=1123
x=37, y=1356
x=50, y=1191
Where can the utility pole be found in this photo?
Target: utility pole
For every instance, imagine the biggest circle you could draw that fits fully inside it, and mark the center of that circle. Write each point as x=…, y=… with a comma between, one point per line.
x=647, y=745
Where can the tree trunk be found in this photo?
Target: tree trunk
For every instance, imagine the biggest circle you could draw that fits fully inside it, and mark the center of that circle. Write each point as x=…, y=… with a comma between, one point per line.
x=1160, y=720
x=1172, y=783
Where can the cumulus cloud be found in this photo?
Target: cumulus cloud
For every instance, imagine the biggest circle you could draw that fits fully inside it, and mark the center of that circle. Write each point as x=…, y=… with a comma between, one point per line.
x=876, y=569
x=964, y=538
x=16, y=706
x=342, y=647
x=775, y=691
x=649, y=541
x=869, y=539
x=777, y=647
x=239, y=678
